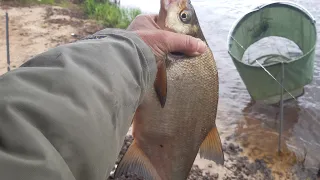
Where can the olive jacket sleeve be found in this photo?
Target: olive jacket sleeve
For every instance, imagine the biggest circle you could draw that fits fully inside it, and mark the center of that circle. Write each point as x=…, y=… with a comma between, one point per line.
x=64, y=113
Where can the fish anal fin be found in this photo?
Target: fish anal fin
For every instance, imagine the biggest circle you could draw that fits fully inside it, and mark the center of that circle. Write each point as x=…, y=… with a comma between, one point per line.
x=211, y=147
x=160, y=84
x=136, y=162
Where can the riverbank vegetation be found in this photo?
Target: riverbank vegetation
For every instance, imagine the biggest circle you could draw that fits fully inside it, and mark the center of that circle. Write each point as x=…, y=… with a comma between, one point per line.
x=110, y=13
x=107, y=12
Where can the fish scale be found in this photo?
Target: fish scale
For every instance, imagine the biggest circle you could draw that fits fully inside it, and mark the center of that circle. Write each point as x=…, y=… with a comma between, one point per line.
x=167, y=140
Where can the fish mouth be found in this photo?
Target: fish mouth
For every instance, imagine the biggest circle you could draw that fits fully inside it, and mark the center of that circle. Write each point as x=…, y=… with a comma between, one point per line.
x=177, y=55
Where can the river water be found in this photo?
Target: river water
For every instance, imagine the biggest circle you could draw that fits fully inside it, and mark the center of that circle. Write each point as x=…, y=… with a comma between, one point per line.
x=255, y=125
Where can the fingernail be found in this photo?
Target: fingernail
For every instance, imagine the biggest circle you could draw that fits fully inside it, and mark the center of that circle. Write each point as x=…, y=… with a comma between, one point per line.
x=201, y=47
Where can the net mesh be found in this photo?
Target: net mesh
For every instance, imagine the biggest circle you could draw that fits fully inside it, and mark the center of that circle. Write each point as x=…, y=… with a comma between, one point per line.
x=269, y=36
x=271, y=50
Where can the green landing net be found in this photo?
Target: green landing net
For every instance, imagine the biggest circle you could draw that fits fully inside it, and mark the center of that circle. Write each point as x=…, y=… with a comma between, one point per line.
x=278, y=38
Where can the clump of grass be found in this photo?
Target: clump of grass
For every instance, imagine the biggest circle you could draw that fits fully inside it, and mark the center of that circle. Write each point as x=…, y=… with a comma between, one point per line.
x=110, y=14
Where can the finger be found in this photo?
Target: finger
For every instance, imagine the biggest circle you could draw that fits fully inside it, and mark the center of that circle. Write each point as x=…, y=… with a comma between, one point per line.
x=183, y=43
x=153, y=16
x=152, y=20
x=143, y=22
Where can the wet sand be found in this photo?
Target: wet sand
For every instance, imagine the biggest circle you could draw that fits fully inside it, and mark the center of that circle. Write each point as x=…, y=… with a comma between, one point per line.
x=248, y=131
x=236, y=166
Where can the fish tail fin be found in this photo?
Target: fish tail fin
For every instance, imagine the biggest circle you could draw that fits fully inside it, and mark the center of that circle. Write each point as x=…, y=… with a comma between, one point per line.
x=211, y=147
x=137, y=163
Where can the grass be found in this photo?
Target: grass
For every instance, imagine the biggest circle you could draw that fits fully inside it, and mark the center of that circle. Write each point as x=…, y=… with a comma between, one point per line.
x=108, y=14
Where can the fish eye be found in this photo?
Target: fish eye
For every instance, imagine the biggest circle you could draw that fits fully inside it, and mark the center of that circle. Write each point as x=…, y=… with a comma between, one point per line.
x=185, y=16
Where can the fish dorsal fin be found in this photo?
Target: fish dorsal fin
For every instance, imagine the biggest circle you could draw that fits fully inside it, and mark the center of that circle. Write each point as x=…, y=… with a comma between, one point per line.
x=160, y=84
x=211, y=147
x=136, y=162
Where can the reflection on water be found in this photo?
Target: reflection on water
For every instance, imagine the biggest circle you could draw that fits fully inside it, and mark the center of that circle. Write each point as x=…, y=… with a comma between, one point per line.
x=256, y=124
x=258, y=134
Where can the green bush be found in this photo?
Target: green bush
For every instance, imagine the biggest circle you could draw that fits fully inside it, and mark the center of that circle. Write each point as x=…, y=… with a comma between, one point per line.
x=109, y=14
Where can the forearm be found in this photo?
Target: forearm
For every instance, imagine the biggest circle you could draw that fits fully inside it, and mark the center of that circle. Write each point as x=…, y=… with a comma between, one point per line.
x=64, y=113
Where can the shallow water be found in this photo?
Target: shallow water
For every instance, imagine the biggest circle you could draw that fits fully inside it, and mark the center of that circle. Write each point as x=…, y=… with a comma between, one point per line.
x=256, y=125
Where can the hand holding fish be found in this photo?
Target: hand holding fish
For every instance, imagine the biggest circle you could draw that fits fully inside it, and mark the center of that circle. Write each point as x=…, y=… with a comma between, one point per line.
x=163, y=42
x=169, y=135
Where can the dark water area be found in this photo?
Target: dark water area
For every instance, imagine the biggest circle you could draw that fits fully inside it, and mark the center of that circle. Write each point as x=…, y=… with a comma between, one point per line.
x=256, y=125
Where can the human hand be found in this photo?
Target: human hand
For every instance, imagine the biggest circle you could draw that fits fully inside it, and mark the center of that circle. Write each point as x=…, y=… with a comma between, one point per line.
x=163, y=42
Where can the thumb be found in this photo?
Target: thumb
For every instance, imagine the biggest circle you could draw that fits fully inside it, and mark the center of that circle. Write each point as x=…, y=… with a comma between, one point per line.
x=184, y=44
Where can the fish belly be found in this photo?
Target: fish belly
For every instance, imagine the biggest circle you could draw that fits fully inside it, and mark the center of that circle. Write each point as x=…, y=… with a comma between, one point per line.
x=171, y=136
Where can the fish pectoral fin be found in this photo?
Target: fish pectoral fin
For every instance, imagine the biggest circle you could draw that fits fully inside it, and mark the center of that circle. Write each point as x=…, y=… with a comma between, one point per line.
x=137, y=163
x=211, y=147
x=160, y=84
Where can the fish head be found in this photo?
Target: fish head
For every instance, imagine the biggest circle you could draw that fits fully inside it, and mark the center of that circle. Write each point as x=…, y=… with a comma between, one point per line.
x=178, y=16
